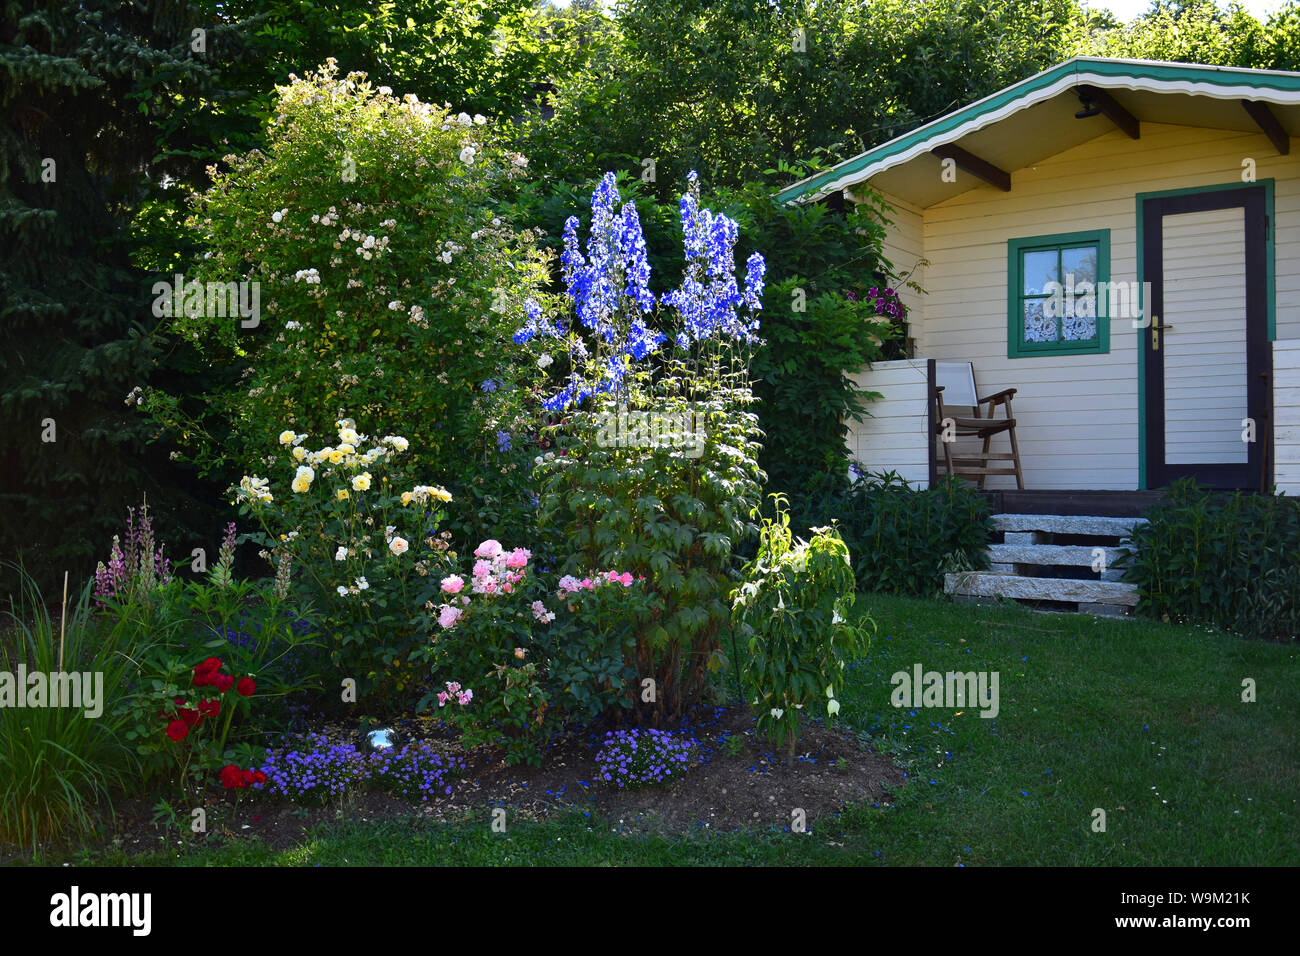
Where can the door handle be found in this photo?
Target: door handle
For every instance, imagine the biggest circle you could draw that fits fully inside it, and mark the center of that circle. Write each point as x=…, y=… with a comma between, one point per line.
x=1156, y=329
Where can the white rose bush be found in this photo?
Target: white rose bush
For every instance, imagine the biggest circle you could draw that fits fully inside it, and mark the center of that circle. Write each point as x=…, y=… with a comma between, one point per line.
x=365, y=544
x=389, y=284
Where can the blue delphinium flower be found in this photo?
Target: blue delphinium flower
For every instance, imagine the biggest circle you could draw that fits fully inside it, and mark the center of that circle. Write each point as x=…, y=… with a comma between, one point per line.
x=609, y=290
x=636, y=267
x=755, y=269
x=537, y=324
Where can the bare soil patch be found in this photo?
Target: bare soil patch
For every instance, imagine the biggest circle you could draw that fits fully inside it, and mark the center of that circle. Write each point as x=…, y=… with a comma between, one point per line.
x=736, y=782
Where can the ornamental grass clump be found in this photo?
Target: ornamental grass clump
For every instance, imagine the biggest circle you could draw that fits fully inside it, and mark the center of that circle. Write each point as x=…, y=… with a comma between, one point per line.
x=61, y=767
x=630, y=758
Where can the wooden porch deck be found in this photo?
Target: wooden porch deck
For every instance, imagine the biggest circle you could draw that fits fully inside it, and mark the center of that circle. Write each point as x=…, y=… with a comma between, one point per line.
x=1054, y=501
x=1109, y=504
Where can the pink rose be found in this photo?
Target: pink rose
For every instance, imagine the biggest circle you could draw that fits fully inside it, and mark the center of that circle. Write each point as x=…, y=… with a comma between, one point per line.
x=488, y=549
x=587, y=583
x=625, y=579
x=448, y=616
x=611, y=576
x=453, y=686
x=482, y=569
x=518, y=558
x=453, y=584
x=443, y=697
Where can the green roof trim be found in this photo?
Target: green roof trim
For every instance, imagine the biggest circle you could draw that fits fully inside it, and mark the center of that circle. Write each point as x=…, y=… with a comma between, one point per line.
x=1145, y=75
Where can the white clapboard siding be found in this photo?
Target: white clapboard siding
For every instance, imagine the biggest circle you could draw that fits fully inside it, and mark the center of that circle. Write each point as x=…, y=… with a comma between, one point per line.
x=1286, y=415
x=1078, y=414
x=904, y=247
x=895, y=436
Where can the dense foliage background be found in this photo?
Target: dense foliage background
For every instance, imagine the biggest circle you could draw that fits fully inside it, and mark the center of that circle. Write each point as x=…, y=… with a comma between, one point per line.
x=113, y=110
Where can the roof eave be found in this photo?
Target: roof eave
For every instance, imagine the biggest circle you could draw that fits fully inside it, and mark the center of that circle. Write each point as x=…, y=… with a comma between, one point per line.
x=1270, y=86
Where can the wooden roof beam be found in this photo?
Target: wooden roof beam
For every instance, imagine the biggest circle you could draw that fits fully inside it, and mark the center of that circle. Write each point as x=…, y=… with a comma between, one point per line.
x=1126, y=121
x=1269, y=126
x=979, y=168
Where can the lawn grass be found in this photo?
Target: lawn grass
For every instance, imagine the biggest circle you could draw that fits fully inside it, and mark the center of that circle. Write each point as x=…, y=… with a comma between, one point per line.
x=1141, y=719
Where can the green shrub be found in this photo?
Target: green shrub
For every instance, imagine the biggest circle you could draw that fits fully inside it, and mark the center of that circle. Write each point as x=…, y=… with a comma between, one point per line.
x=363, y=541
x=389, y=285
x=172, y=719
x=793, y=609
x=903, y=539
x=1230, y=561
x=514, y=670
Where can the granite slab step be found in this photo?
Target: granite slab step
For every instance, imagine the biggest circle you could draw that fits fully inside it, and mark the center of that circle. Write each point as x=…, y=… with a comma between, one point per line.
x=988, y=584
x=1066, y=555
x=1067, y=524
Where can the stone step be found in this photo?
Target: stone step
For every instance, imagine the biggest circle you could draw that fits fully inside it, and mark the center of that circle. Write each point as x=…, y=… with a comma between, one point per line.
x=1068, y=555
x=1067, y=524
x=989, y=584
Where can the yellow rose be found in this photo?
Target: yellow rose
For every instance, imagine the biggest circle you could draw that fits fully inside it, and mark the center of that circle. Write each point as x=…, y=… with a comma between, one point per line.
x=347, y=448
x=286, y=438
x=347, y=436
x=335, y=456
x=300, y=485
x=361, y=482
x=406, y=497
x=343, y=495
x=442, y=494
x=299, y=453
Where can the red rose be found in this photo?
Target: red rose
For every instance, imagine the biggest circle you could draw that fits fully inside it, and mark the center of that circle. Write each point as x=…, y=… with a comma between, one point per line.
x=211, y=664
x=189, y=716
x=258, y=777
x=247, y=777
x=209, y=708
x=223, y=682
x=231, y=777
x=177, y=730
x=246, y=687
x=202, y=678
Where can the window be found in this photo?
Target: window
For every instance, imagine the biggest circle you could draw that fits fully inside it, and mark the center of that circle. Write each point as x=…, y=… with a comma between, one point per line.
x=1056, y=299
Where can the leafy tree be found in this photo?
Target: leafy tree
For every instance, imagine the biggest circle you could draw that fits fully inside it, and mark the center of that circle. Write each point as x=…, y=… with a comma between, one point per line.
x=735, y=88
x=1188, y=31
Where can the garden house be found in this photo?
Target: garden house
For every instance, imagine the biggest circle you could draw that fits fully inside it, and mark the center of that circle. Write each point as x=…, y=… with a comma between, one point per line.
x=1119, y=242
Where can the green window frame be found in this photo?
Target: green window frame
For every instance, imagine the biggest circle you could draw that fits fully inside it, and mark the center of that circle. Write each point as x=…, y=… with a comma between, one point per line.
x=1030, y=268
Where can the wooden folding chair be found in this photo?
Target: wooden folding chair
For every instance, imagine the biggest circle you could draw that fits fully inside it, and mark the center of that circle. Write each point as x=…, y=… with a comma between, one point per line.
x=955, y=381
